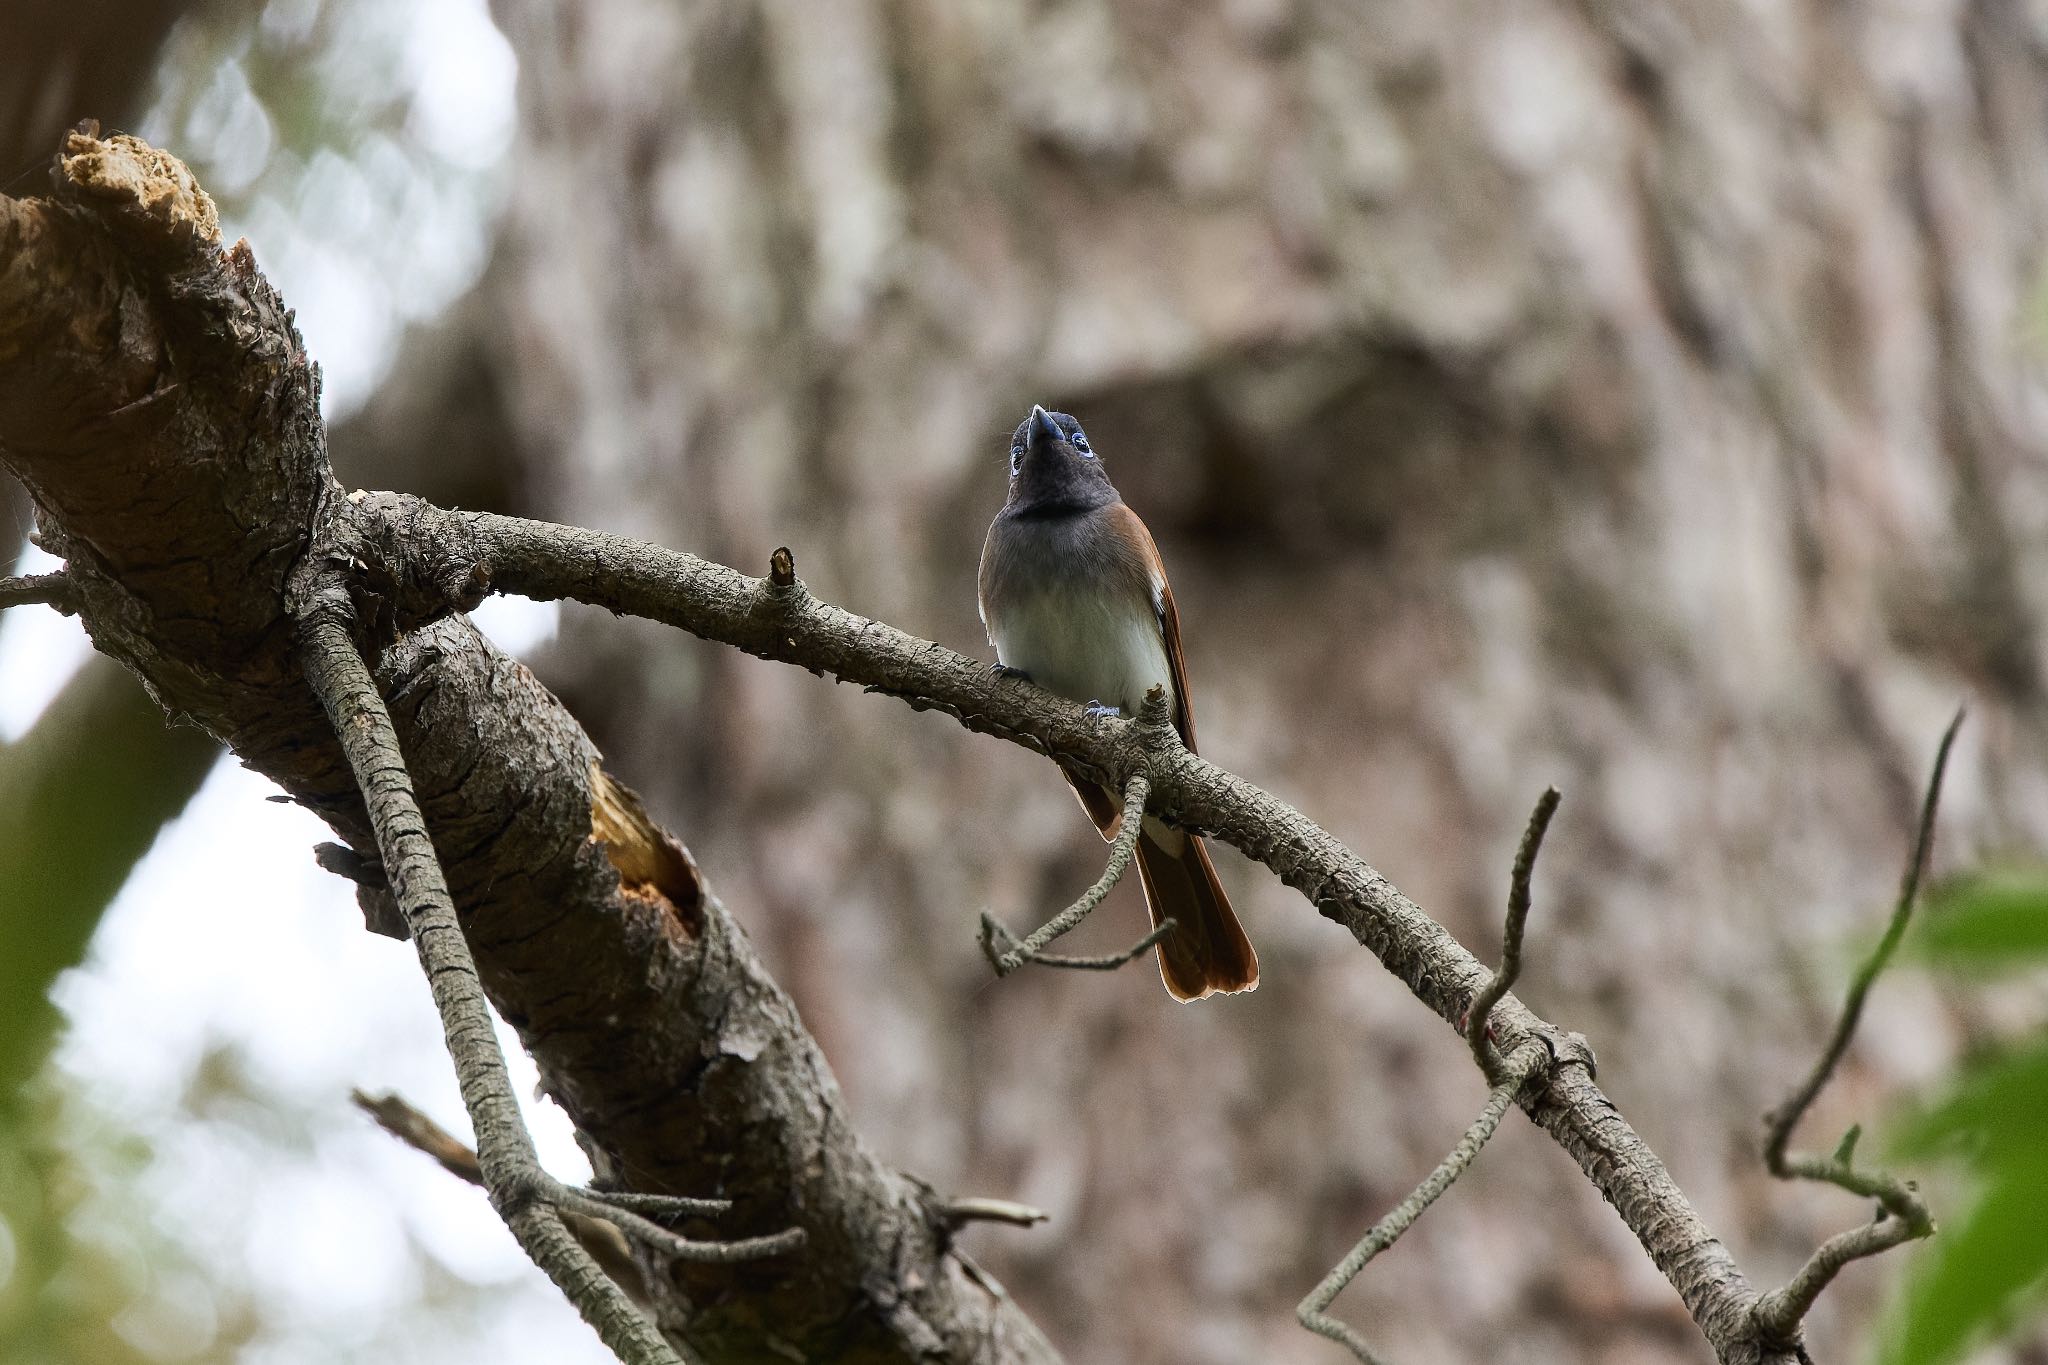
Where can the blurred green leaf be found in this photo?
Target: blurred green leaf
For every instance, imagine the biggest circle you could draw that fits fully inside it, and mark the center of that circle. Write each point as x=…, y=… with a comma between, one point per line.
x=1988, y=1269
x=1991, y=921
x=1994, y=1116
x=1984, y=1269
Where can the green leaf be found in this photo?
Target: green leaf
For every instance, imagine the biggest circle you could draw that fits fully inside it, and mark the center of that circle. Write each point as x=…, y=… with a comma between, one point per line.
x=1989, y=1265
x=1977, y=1275
x=1989, y=921
x=1995, y=1116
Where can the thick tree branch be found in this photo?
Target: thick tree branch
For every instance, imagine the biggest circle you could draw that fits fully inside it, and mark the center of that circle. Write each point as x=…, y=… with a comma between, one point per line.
x=158, y=403
x=48, y=589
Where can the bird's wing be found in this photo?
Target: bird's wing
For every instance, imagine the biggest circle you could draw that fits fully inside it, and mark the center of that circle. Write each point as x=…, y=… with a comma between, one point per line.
x=1169, y=621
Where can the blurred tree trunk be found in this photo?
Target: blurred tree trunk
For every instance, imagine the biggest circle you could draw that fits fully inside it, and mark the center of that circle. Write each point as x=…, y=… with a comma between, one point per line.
x=1645, y=402
x=63, y=62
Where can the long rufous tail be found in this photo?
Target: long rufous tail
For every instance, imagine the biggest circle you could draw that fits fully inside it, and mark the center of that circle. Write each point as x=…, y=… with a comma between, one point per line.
x=1207, y=953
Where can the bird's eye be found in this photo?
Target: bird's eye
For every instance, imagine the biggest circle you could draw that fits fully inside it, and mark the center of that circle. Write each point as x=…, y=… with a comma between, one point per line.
x=1016, y=460
x=1081, y=444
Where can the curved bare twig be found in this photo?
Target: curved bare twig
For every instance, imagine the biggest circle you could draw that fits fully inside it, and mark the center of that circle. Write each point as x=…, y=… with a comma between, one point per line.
x=1902, y=1214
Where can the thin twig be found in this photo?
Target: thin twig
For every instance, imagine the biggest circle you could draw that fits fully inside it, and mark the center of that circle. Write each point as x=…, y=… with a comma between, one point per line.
x=1313, y=1311
x=1903, y=1215
x=531, y=1202
x=599, y=1236
x=54, y=590
x=1507, y=1079
x=400, y=1119
x=997, y=941
x=1011, y=954
x=980, y=1210
x=1498, y=985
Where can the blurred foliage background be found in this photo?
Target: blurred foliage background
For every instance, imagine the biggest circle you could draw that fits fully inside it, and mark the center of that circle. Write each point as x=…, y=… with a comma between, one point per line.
x=1648, y=401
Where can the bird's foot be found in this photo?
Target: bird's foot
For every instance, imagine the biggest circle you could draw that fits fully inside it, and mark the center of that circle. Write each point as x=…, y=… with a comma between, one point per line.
x=1096, y=708
x=1005, y=671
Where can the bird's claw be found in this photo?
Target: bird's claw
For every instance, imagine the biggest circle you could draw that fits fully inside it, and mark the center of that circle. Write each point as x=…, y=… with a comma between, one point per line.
x=1097, y=709
x=1005, y=671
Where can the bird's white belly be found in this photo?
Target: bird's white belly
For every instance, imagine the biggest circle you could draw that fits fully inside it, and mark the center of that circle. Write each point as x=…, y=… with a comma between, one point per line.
x=1084, y=647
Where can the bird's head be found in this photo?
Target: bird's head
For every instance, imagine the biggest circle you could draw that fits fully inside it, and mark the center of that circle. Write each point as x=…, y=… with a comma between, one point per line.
x=1051, y=462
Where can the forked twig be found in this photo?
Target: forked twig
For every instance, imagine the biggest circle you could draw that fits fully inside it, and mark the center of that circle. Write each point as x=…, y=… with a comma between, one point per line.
x=1530, y=1057
x=1527, y=1060
x=1479, y=1014
x=599, y=1236
x=1902, y=1215
x=531, y=1202
x=1006, y=954
x=998, y=942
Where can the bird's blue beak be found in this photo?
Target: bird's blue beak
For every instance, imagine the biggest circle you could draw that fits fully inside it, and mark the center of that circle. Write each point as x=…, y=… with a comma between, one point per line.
x=1043, y=428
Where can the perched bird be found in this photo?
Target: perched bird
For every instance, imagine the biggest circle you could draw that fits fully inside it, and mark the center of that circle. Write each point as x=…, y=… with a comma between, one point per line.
x=1074, y=597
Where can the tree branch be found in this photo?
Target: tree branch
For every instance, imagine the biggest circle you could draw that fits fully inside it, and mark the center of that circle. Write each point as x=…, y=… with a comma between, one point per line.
x=161, y=407
x=529, y=1200
x=1479, y=1017
x=1516, y=1072
x=163, y=411
x=1902, y=1214
x=48, y=589
x=1006, y=954
x=1506, y=1076
x=457, y=556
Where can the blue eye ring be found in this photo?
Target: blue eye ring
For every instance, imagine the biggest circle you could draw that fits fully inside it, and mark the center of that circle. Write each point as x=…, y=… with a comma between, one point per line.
x=1081, y=444
x=1016, y=460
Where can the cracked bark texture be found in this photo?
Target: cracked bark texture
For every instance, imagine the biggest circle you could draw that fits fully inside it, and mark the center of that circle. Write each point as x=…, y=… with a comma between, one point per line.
x=1647, y=403
x=156, y=401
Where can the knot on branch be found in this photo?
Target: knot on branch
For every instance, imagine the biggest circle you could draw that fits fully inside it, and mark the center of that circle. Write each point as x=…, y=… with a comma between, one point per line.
x=1154, y=722
x=374, y=897
x=1572, y=1049
x=424, y=559
x=145, y=195
x=782, y=593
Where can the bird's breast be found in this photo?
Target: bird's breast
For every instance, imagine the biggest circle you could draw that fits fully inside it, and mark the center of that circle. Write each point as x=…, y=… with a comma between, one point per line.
x=1084, y=641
